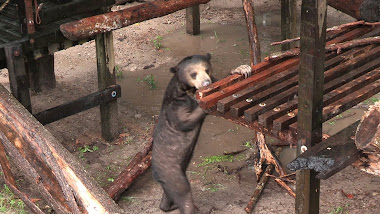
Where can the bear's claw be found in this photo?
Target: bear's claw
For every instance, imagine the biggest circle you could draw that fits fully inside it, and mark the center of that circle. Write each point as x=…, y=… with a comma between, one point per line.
x=243, y=70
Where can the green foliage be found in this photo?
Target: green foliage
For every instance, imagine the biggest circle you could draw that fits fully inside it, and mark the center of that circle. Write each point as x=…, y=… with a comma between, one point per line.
x=340, y=210
x=213, y=187
x=150, y=80
x=157, y=42
x=9, y=203
x=111, y=179
x=87, y=148
x=128, y=199
x=216, y=159
x=119, y=72
x=248, y=144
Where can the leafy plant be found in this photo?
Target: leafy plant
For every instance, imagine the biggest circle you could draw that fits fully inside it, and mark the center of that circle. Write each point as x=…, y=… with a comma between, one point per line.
x=87, y=148
x=213, y=187
x=340, y=210
x=150, y=81
x=128, y=199
x=9, y=203
x=157, y=42
x=111, y=179
x=248, y=144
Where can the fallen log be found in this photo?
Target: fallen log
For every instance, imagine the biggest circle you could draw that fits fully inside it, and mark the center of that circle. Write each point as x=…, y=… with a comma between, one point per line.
x=48, y=167
x=367, y=137
x=367, y=10
x=94, y=25
x=138, y=165
x=254, y=44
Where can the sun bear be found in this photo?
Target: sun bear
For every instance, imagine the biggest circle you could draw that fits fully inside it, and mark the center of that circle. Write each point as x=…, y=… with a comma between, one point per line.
x=178, y=128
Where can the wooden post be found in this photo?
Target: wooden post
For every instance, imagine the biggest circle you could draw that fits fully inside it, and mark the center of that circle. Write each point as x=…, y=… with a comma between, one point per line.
x=18, y=77
x=193, y=20
x=41, y=72
x=253, y=36
x=310, y=98
x=107, y=77
x=288, y=22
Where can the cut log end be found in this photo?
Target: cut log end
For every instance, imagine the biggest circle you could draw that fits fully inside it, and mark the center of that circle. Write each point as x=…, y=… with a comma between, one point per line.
x=367, y=136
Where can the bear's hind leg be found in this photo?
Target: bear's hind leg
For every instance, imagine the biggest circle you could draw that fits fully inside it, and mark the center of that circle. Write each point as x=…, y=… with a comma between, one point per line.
x=167, y=204
x=178, y=189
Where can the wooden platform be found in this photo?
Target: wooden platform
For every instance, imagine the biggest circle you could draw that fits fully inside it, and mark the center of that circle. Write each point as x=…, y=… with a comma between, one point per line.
x=267, y=101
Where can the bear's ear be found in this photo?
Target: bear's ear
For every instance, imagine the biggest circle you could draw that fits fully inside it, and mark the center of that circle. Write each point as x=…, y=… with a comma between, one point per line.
x=208, y=56
x=174, y=69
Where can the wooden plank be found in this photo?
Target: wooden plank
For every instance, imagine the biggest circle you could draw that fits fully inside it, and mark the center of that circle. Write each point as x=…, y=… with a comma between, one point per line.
x=107, y=77
x=238, y=109
x=18, y=77
x=266, y=119
x=351, y=35
x=224, y=104
x=193, y=20
x=252, y=113
x=339, y=92
x=84, y=103
x=330, y=156
x=212, y=99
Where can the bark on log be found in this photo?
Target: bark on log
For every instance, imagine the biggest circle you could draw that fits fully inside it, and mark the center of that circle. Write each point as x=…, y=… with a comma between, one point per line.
x=49, y=167
x=91, y=26
x=254, y=44
x=367, y=138
x=367, y=10
x=138, y=165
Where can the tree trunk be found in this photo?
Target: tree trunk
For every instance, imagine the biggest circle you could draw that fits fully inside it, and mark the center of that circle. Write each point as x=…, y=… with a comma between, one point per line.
x=367, y=136
x=49, y=167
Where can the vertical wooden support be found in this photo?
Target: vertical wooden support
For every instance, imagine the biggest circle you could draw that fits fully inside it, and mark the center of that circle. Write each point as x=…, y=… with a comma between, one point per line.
x=18, y=77
x=41, y=72
x=288, y=22
x=310, y=97
x=193, y=20
x=106, y=77
x=253, y=36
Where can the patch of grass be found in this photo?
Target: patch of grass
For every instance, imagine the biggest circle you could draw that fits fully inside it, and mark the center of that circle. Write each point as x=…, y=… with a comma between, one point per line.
x=9, y=203
x=128, y=199
x=119, y=72
x=217, y=38
x=331, y=123
x=150, y=80
x=370, y=101
x=110, y=179
x=340, y=210
x=157, y=42
x=213, y=187
x=248, y=144
x=87, y=148
x=216, y=159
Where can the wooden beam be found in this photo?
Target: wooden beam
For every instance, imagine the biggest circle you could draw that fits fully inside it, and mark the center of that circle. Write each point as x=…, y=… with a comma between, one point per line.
x=330, y=156
x=94, y=25
x=18, y=77
x=193, y=20
x=106, y=77
x=110, y=94
x=310, y=98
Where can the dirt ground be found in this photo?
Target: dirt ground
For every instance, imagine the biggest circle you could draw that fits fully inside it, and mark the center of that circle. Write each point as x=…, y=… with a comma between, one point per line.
x=143, y=73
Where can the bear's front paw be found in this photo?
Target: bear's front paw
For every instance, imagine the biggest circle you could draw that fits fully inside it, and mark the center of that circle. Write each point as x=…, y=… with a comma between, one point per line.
x=243, y=70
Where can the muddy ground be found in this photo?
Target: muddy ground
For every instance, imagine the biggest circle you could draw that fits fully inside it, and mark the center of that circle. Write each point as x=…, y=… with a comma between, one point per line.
x=143, y=73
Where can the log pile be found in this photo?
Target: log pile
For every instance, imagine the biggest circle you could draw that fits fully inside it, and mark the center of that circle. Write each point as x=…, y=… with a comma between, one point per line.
x=49, y=168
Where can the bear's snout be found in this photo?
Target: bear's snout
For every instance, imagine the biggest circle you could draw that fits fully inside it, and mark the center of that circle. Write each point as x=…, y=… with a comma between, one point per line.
x=206, y=83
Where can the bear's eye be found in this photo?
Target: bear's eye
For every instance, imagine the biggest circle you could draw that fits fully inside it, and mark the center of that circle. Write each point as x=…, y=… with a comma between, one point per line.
x=193, y=75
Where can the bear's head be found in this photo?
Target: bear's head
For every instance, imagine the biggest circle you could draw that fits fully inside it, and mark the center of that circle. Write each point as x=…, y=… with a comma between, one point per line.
x=194, y=71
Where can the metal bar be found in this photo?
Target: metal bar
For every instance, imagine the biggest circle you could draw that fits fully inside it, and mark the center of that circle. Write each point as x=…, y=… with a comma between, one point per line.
x=84, y=103
x=91, y=26
x=29, y=16
x=310, y=98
